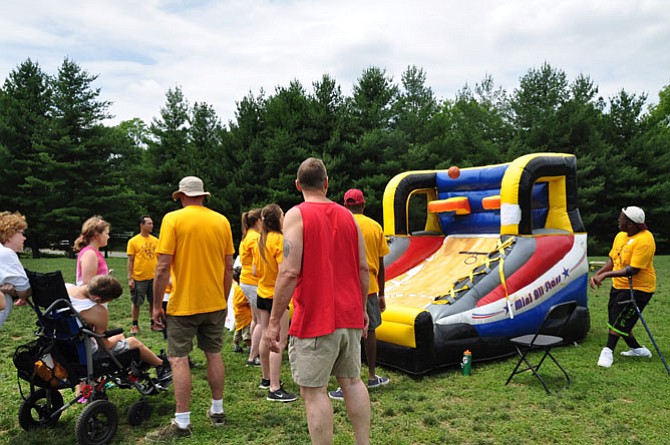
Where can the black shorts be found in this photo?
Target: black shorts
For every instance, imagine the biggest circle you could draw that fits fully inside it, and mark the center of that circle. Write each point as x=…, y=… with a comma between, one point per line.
x=264, y=304
x=623, y=316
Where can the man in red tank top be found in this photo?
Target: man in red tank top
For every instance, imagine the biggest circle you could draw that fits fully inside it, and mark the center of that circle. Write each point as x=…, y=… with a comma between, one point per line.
x=324, y=269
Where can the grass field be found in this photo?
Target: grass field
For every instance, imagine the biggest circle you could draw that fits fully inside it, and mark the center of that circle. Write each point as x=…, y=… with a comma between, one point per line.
x=626, y=404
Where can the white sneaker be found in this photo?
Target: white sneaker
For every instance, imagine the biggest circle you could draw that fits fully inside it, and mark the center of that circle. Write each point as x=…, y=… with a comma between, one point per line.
x=637, y=352
x=606, y=358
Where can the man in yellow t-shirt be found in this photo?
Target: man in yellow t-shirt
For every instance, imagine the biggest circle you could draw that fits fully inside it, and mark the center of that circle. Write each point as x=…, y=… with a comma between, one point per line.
x=141, y=252
x=375, y=250
x=196, y=244
x=632, y=255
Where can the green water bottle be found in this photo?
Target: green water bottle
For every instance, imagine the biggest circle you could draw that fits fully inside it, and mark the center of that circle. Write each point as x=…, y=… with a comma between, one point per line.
x=467, y=362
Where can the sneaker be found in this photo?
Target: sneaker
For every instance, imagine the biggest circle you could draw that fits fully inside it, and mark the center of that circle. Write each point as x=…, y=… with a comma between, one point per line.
x=217, y=419
x=377, y=381
x=337, y=394
x=255, y=362
x=606, y=358
x=637, y=352
x=134, y=329
x=281, y=396
x=164, y=371
x=265, y=384
x=167, y=433
x=238, y=348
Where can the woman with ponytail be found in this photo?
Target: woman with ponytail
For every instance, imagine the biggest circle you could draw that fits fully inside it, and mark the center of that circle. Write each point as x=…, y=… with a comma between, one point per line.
x=251, y=228
x=267, y=257
x=90, y=262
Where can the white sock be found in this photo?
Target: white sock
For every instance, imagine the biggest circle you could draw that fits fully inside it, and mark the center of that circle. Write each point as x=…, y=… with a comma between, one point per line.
x=183, y=420
x=217, y=406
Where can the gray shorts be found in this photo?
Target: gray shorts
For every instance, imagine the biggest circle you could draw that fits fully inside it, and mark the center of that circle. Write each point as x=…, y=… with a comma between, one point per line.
x=207, y=327
x=374, y=312
x=314, y=360
x=143, y=290
x=119, y=348
x=251, y=292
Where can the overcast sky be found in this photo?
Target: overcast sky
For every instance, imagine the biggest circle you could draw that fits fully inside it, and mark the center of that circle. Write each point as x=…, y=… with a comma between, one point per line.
x=218, y=51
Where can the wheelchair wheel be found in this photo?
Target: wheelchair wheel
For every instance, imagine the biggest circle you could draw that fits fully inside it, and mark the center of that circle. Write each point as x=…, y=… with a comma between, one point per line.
x=97, y=423
x=138, y=412
x=37, y=409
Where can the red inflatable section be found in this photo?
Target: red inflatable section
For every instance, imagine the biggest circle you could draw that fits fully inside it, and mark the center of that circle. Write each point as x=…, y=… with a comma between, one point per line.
x=549, y=251
x=420, y=248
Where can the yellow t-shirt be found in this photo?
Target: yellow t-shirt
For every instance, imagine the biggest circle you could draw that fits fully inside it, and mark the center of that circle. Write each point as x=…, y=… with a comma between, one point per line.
x=246, y=251
x=375, y=247
x=144, y=251
x=241, y=308
x=268, y=269
x=635, y=251
x=199, y=239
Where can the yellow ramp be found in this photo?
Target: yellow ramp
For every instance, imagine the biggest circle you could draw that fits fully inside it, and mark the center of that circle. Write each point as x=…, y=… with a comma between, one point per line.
x=458, y=255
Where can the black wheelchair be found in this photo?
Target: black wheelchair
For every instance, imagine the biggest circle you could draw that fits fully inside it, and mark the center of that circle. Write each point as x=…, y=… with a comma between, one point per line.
x=61, y=357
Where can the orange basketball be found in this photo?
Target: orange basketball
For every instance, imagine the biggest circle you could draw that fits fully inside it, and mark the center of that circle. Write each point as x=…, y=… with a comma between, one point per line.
x=454, y=172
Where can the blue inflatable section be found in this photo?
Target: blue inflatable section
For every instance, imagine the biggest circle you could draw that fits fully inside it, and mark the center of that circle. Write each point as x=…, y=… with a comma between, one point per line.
x=476, y=185
x=531, y=320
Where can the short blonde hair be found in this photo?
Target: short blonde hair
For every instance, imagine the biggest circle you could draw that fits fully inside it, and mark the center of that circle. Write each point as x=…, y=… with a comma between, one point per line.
x=11, y=223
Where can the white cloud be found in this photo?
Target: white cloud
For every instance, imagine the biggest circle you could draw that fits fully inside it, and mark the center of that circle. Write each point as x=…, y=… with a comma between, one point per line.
x=218, y=51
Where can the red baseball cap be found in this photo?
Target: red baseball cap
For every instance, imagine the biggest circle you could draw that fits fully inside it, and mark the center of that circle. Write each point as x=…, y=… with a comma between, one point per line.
x=354, y=197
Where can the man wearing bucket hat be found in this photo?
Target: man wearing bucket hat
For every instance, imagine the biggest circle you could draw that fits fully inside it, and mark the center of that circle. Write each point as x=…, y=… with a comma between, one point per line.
x=196, y=243
x=632, y=254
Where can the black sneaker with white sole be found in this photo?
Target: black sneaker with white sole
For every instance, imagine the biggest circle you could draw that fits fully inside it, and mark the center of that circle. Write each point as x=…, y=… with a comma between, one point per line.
x=281, y=396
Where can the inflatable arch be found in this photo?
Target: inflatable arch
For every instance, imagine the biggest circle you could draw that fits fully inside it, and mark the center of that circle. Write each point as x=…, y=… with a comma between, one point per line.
x=501, y=245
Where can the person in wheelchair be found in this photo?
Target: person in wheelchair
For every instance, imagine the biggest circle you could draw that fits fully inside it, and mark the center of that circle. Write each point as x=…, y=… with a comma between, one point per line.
x=90, y=301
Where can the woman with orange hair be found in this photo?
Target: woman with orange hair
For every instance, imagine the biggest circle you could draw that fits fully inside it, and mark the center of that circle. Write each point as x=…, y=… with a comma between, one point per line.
x=13, y=280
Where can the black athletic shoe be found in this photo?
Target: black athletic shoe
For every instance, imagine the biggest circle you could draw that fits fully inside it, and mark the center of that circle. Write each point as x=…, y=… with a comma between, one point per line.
x=281, y=396
x=265, y=384
x=255, y=362
x=164, y=371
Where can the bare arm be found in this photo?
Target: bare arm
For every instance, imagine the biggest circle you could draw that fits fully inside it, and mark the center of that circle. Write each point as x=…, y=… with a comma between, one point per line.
x=287, y=279
x=10, y=290
x=88, y=266
x=97, y=318
x=380, y=282
x=363, y=276
x=161, y=279
x=228, y=276
x=607, y=271
x=130, y=266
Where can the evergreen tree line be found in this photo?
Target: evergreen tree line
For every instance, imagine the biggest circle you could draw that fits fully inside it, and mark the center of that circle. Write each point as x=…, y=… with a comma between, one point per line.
x=61, y=164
